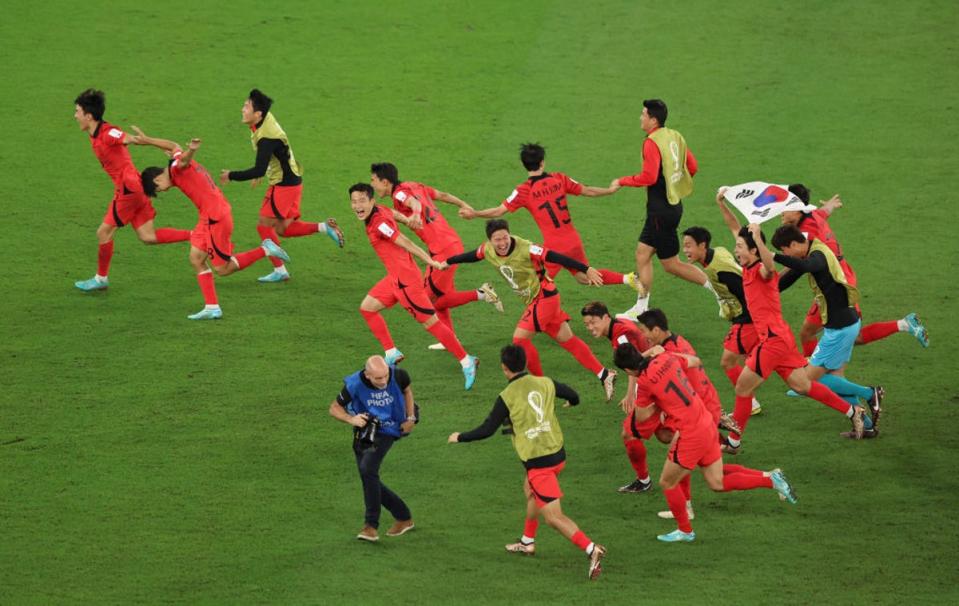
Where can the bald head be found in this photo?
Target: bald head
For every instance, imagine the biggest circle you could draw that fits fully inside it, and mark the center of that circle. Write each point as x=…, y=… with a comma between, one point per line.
x=377, y=371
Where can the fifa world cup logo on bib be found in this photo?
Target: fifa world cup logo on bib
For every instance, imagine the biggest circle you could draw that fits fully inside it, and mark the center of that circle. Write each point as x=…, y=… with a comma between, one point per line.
x=674, y=152
x=507, y=273
x=535, y=401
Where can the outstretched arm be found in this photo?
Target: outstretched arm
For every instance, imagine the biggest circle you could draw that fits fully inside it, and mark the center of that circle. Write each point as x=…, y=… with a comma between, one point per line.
x=408, y=245
x=495, y=418
x=591, y=191
x=769, y=266
x=141, y=138
x=728, y=217
x=449, y=198
x=486, y=213
x=832, y=204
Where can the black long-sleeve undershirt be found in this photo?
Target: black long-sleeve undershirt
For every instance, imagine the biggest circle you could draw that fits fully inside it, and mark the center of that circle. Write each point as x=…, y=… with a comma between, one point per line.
x=500, y=413
x=734, y=282
x=266, y=149
x=551, y=256
x=839, y=313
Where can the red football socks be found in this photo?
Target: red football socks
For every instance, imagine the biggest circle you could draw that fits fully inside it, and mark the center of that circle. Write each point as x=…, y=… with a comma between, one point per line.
x=245, y=259
x=583, y=354
x=677, y=504
x=104, y=254
x=745, y=481
x=532, y=356
x=732, y=468
x=205, y=280
x=684, y=484
x=733, y=374
x=529, y=529
x=610, y=277
x=446, y=336
x=878, y=330
x=580, y=539
x=299, y=228
x=378, y=327
x=636, y=451
x=166, y=235
x=744, y=408
x=265, y=232
x=455, y=299
x=821, y=393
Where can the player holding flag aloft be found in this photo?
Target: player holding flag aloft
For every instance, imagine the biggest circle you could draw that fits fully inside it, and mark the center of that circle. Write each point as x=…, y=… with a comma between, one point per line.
x=544, y=196
x=663, y=386
x=210, y=239
x=668, y=170
x=521, y=263
x=129, y=204
x=413, y=206
x=403, y=282
x=280, y=211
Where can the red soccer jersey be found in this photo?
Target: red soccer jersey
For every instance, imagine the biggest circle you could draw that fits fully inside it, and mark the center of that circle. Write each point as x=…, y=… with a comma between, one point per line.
x=664, y=383
x=816, y=226
x=108, y=147
x=436, y=233
x=545, y=198
x=697, y=376
x=194, y=181
x=625, y=331
x=382, y=231
x=762, y=298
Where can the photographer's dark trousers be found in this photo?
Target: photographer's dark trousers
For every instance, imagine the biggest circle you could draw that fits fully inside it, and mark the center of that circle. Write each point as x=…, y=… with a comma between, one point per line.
x=375, y=492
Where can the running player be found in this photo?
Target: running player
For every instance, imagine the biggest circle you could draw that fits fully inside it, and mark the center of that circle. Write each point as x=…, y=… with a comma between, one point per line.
x=129, y=204
x=402, y=284
x=528, y=405
x=726, y=278
x=280, y=211
x=776, y=350
x=814, y=224
x=601, y=325
x=521, y=263
x=210, y=239
x=413, y=205
x=836, y=300
x=544, y=194
x=663, y=387
x=668, y=170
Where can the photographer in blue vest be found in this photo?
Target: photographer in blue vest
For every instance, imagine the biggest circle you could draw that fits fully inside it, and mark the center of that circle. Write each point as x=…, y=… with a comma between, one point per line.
x=378, y=402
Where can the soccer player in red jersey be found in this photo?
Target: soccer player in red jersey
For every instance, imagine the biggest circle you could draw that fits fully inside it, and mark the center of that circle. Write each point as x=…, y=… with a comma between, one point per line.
x=280, y=211
x=403, y=282
x=726, y=277
x=544, y=194
x=814, y=224
x=776, y=351
x=618, y=331
x=668, y=170
x=413, y=206
x=210, y=239
x=129, y=204
x=663, y=387
x=522, y=264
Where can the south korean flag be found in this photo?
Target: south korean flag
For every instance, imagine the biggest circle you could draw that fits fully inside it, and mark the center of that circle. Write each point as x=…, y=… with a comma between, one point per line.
x=759, y=201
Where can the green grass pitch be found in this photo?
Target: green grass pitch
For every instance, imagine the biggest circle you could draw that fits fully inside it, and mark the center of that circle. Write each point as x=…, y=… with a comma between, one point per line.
x=148, y=459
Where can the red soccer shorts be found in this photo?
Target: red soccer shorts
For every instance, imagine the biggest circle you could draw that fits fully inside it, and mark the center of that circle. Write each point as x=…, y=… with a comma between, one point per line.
x=544, y=314
x=389, y=291
x=213, y=237
x=643, y=430
x=282, y=202
x=741, y=339
x=775, y=354
x=576, y=252
x=133, y=208
x=439, y=283
x=696, y=448
x=544, y=483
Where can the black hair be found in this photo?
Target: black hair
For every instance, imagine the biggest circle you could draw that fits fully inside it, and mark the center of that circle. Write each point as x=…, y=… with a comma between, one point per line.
x=653, y=318
x=800, y=191
x=628, y=357
x=513, y=358
x=385, y=170
x=786, y=235
x=700, y=235
x=595, y=308
x=260, y=102
x=656, y=108
x=494, y=225
x=93, y=102
x=748, y=237
x=366, y=188
x=532, y=155
x=147, y=177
